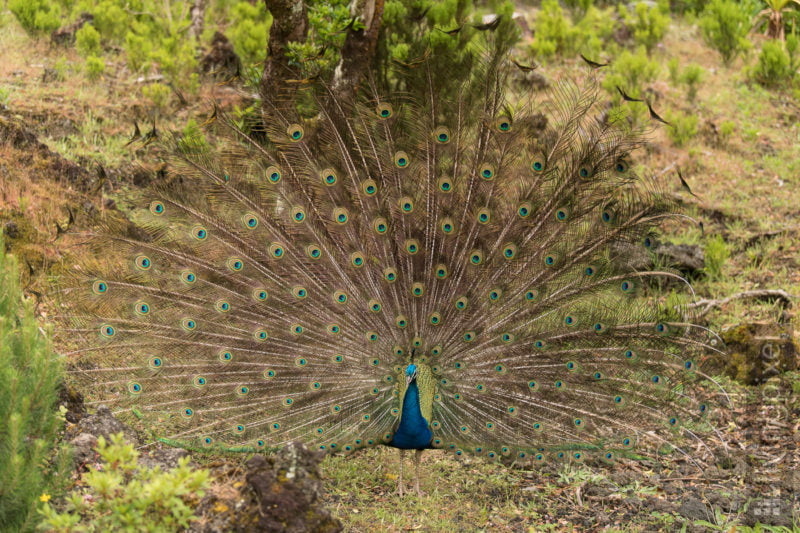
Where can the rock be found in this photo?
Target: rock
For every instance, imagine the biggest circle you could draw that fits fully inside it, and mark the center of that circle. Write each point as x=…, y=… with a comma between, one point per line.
x=279, y=493
x=83, y=450
x=103, y=423
x=288, y=492
x=757, y=351
x=694, y=509
x=689, y=259
x=11, y=229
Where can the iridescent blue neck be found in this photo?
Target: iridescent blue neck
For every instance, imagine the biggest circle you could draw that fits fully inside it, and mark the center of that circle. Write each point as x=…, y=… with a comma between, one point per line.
x=413, y=432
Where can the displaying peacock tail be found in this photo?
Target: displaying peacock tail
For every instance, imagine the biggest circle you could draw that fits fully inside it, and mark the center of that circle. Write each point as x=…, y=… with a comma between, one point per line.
x=298, y=281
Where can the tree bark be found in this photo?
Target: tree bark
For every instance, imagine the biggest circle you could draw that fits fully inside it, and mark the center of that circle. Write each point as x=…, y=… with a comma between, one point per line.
x=197, y=14
x=289, y=23
x=358, y=52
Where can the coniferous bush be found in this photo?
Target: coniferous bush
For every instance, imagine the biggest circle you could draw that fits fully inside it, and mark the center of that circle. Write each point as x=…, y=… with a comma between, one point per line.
x=30, y=374
x=725, y=25
x=36, y=16
x=777, y=63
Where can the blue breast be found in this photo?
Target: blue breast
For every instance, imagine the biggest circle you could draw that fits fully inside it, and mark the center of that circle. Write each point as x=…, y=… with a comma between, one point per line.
x=413, y=432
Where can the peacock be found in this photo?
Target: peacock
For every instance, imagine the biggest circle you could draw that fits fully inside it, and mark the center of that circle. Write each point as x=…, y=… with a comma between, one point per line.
x=413, y=268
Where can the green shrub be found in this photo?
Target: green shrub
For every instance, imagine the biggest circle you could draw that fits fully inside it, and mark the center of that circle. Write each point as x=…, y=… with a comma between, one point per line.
x=725, y=24
x=36, y=16
x=137, y=51
x=716, y=255
x=648, y=23
x=579, y=7
x=726, y=129
x=555, y=33
x=87, y=41
x=30, y=374
x=95, y=67
x=674, y=68
x=124, y=496
x=192, y=140
x=552, y=30
x=777, y=63
x=684, y=128
x=631, y=72
x=158, y=94
x=691, y=76
x=110, y=19
x=249, y=31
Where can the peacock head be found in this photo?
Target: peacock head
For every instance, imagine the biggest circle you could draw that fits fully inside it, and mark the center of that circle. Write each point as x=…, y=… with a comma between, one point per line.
x=411, y=373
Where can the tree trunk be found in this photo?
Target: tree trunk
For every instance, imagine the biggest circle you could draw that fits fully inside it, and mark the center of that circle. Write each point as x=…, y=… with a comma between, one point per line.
x=289, y=23
x=358, y=52
x=197, y=14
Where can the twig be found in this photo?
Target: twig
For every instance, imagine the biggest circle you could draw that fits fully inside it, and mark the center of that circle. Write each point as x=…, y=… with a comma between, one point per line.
x=708, y=304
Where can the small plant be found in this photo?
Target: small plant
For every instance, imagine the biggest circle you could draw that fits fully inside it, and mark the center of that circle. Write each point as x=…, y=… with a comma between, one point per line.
x=674, y=67
x=249, y=31
x=30, y=374
x=158, y=94
x=578, y=7
x=137, y=51
x=192, y=139
x=552, y=30
x=725, y=24
x=87, y=41
x=631, y=72
x=5, y=96
x=121, y=495
x=683, y=129
x=777, y=63
x=647, y=22
x=716, y=255
x=36, y=16
x=95, y=67
x=726, y=130
x=692, y=75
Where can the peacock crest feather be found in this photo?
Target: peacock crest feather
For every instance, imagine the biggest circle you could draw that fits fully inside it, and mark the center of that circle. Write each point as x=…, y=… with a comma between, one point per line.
x=287, y=281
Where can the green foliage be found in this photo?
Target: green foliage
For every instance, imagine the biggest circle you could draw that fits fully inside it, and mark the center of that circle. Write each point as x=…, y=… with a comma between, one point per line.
x=552, y=30
x=30, y=374
x=631, y=72
x=716, y=254
x=124, y=496
x=192, y=139
x=777, y=63
x=249, y=31
x=691, y=76
x=683, y=129
x=137, y=49
x=725, y=24
x=674, y=68
x=579, y=7
x=647, y=22
x=95, y=67
x=726, y=129
x=87, y=41
x=158, y=94
x=110, y=17
x=36, y=16
x=556, y=34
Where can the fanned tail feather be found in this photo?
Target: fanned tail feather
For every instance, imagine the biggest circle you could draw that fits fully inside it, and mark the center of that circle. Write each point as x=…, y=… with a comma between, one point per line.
x=289, y=275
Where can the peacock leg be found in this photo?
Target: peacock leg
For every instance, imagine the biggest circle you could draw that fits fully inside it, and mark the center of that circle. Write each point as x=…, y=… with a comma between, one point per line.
x=400, y=479
x=417, y=457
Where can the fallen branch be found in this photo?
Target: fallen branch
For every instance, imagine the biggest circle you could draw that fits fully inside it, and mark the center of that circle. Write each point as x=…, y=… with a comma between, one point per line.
x=707, y=304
